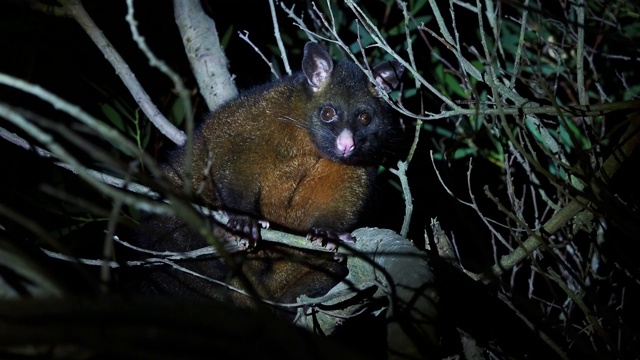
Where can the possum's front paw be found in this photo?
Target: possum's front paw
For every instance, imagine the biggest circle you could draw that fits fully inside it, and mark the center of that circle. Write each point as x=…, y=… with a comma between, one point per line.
x=244, y=229
x=329, y=239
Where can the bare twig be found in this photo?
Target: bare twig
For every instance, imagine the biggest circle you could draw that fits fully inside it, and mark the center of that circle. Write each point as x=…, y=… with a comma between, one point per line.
x=76, y=11
x=245, y=37
x=276, y=33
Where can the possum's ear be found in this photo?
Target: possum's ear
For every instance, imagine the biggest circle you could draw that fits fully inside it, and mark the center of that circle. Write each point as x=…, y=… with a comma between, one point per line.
x=388, y=74
x=317, y=65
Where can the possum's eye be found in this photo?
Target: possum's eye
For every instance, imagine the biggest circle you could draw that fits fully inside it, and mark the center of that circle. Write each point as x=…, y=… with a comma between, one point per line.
x=328, y=113
x=365, y=119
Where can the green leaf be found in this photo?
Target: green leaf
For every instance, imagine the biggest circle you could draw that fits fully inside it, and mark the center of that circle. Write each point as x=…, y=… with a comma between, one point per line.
x=146, y=135
x=409, y=93
x=132, y=131
x=569, y=132
x=453, y=85
x=438, y=130
x=461, y=153
x=416, y=5
x=419, y=21
x=632, y=93
x=178, y=112
x=123, y=109
x=224, y=41
x=365, y=39
x=113, y=116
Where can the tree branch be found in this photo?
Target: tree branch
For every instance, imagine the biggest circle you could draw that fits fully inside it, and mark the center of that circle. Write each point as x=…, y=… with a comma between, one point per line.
x=206, y=56
x=75, y=9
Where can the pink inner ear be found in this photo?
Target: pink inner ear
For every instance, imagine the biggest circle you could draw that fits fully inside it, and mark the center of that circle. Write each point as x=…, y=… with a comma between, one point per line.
x=321, y=75
x=381, y=80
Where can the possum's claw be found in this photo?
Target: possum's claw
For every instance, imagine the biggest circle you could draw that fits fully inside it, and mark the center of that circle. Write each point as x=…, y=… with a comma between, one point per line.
x=329, y=239
x=244, y=229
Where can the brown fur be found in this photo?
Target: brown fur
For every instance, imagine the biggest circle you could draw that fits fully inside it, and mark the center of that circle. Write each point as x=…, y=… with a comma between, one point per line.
x=297, y=187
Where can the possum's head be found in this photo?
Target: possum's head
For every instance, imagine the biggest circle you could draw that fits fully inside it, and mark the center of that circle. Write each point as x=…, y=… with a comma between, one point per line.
x=348, y=121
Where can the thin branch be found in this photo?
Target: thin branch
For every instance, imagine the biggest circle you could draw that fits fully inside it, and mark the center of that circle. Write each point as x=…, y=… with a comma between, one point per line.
x=582, y=91
x=245, y=37
x=276, y=33
x=77, y=12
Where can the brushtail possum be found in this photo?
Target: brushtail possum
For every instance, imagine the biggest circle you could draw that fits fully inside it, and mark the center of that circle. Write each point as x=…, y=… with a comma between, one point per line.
x=300, y=152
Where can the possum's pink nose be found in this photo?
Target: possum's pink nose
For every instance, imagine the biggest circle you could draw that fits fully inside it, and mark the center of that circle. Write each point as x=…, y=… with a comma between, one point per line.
x=345, y=143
